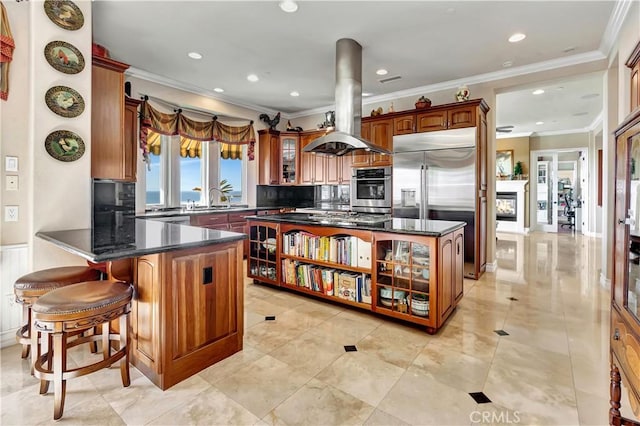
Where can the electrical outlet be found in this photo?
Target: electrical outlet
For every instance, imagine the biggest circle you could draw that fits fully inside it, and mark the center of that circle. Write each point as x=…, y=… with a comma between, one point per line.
x=11, y=213
x=11, y=183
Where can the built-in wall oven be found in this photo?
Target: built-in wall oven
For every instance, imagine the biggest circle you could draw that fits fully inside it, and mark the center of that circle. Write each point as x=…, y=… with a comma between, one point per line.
x=371, y=190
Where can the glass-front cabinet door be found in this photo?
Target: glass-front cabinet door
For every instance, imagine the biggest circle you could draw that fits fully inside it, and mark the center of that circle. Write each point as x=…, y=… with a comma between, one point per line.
x=263, y=252
x=632, y=293
x=289, y=151
x=404, y=279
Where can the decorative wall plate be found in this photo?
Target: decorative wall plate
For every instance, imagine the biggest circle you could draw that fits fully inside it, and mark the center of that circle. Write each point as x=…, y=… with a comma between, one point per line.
x=64, y=57
x=64, y=13
x=64, y=145
x=64, y=101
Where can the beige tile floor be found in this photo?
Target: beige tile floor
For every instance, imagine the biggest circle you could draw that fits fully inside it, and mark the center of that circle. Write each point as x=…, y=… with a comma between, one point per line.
x=552, y=368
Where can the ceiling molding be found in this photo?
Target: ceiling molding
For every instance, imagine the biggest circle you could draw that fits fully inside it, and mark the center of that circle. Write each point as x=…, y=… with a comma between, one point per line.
x=560, y=132
x=513, y=135
x=186, y=87
x=552, y=64
x=616, y=20
x=313, y=111
x=597, y=122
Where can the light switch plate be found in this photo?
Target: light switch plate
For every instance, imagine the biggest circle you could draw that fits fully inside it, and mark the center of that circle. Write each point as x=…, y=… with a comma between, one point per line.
x=11, y=213
x=11, y=183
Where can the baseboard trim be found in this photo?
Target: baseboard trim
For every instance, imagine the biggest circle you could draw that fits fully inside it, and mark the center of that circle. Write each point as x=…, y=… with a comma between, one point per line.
x=492, y=266
x=8, y=338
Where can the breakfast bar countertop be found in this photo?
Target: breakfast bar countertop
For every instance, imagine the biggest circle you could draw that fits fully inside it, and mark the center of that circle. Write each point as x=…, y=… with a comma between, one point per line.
x=430, y=228
x=136, y=237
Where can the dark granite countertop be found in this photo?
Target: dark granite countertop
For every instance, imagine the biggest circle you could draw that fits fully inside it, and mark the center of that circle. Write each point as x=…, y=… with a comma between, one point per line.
x=430, y=228
x=200, y=211
x=135, y=237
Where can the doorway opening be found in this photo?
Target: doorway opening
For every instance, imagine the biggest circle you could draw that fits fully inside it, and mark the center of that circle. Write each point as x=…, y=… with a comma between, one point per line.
x=559, y=190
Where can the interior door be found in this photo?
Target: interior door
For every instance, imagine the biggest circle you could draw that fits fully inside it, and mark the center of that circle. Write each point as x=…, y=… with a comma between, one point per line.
x=547, y=194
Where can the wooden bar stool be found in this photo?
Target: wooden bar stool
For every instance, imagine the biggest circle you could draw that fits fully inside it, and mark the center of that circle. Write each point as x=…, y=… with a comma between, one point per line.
x=71, y=310
x=30, y=287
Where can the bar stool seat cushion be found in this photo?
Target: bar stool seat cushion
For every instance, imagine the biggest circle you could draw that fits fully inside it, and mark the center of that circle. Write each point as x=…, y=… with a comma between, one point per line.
x=39, y=283
x=82, y=299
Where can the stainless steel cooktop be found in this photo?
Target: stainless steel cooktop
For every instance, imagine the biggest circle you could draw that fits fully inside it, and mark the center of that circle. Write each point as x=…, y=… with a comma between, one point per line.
x=349, y=218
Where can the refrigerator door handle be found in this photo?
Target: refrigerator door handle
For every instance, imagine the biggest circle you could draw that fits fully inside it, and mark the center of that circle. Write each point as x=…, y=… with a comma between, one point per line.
x=425, y=193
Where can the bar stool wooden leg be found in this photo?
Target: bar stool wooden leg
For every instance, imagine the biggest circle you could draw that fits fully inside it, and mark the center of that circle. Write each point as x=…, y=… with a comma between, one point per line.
x=26, y=319
x=44, y=384
x=59, y=368
x=124, y=343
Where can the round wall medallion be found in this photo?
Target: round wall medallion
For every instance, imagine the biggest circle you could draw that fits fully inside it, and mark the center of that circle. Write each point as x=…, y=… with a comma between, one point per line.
x=64, y=101
x=64, y=57
x=64, y=13
x=64, y=145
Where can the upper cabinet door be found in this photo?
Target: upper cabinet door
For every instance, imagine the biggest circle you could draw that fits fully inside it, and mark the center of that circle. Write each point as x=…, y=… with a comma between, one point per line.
x=461, y=117
x=360, y=157
x=404, y=125
x=430, y=121
x=382, y=136
x=289, y=162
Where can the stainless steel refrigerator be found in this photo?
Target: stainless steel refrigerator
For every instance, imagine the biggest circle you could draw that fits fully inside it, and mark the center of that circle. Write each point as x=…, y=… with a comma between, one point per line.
x=434, y=177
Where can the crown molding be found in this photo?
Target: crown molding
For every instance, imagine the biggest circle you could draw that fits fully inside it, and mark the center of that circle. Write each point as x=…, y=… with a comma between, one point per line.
x=186, y=87
x=562, y=132
x=616, y=20
x=551, y=64
x=596, y=122
x=513, y=135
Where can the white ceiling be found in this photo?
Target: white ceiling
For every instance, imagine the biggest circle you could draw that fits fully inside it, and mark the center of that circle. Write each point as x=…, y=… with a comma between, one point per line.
x=425, y=42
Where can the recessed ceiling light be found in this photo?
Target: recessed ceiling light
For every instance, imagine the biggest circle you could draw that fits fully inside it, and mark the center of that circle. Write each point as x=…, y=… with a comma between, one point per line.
x=194, y=55
x=507, y=64
x=539, y=122
x=517, y=37
x=294, y=93
x=590, y=96
x=538, y=92
x=382, y=71
x=252, y=78
x=218, y=89
x=365, y=94
x=288, y=6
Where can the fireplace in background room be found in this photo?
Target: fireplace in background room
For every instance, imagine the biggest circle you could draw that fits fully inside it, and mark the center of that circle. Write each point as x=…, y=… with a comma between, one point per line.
x=506, y=206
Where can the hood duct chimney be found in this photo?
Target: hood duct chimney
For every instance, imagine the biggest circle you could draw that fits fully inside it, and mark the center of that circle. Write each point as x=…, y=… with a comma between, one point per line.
x=348, y=97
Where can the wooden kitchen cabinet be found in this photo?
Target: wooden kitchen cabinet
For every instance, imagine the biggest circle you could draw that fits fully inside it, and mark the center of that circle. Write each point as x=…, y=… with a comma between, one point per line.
x=289, y=150
x=379, y=133
x=131, y=138
x=625, y=283
x=312, y=166
x=235, y=222
x=188, y=311
x=113, y=131
x=339, y=170
x=446, y=118
x=268, y=157
x=404, y=124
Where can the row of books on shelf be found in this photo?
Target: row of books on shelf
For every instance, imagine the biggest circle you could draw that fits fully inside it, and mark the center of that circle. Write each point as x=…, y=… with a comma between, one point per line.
x=341, y=284
x=344, y=250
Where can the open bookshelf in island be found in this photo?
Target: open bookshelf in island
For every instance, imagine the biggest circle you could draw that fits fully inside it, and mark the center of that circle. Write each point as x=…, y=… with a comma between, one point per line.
x=411, y=277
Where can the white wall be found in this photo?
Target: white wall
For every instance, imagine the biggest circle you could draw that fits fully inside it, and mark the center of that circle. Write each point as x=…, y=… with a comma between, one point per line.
x=60, y=191
x=14, y=127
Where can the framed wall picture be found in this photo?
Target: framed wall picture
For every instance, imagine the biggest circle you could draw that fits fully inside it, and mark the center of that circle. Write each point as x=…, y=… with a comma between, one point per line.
x=64, y=57
x=64, y=101
x=64, y=13
x=504, y=163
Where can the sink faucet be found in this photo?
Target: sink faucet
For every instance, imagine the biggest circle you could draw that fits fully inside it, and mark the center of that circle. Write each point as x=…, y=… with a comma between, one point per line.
x=226, y=197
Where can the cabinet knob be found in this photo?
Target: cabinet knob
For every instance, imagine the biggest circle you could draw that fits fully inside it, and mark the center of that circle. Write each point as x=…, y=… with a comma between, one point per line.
x=616, y=334
x=458, y=248
x=620, y=222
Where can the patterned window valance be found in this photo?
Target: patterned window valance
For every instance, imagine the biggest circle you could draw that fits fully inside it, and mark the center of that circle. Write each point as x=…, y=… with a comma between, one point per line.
x=191, y=133
x=192, y=148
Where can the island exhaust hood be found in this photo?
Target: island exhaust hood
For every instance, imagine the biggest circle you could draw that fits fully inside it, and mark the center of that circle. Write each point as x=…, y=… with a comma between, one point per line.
x=346, y=137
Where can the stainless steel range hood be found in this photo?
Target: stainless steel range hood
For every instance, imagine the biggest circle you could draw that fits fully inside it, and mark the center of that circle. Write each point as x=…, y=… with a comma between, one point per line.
x=346, y=137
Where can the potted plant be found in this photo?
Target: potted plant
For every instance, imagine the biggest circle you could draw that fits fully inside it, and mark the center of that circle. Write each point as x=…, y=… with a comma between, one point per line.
x=423, y=102
x=517, y=169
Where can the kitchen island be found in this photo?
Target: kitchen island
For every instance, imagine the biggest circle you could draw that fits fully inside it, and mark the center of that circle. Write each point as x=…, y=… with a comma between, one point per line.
x=409, y=269
x=188, y=309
